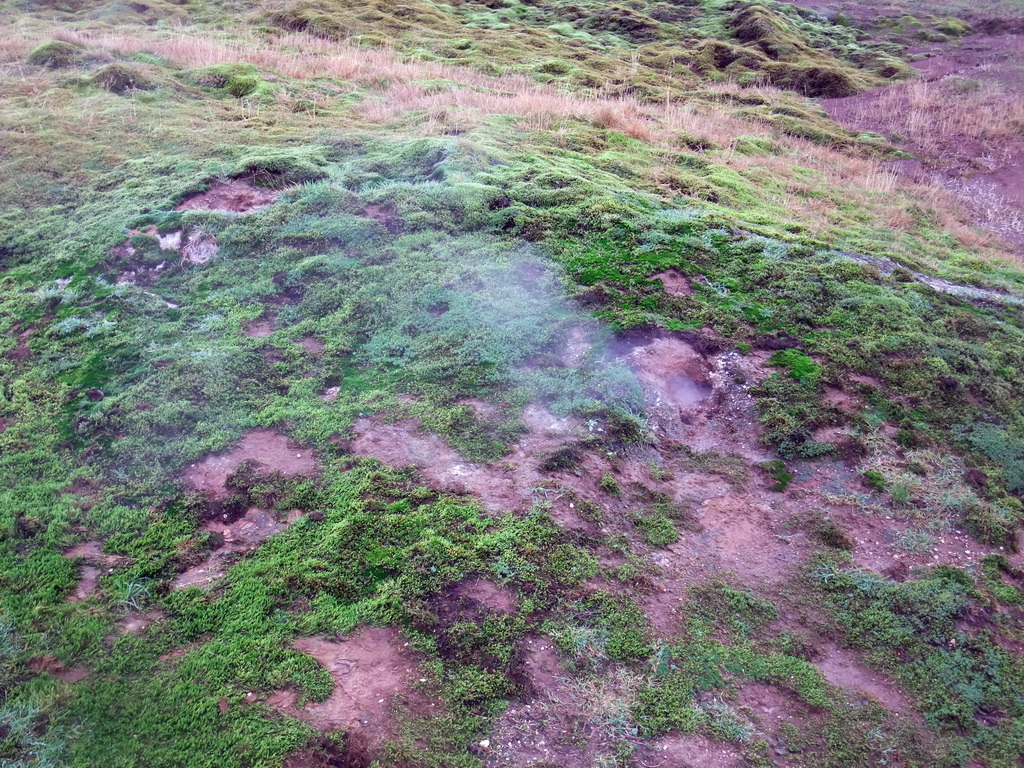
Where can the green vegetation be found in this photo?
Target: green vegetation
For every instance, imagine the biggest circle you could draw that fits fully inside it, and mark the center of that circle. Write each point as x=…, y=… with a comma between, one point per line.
x=449, y=197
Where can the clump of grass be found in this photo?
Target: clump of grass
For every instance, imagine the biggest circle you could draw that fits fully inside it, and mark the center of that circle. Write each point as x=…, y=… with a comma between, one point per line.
x=777, y=471
x=55, y=54
x=610, y=485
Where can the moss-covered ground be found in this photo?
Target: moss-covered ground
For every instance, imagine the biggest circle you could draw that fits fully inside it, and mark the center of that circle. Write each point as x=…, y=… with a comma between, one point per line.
x=460, y=187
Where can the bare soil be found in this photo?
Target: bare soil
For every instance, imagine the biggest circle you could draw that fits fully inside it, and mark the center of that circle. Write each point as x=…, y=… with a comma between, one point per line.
x=547, y=728
x=375, y=677
x=674, y=282
x=199, y=248
x=238, y=196
x=673, y=373
x=507, y=484
x=94, y=564
x=135, y=623
x=272, y=450
x=386, y=215
x=482, y=597
x=260, y=329
x=845, y=670
x=691, y=751
x=311, y=344
x=57, y=669
x=242, y=535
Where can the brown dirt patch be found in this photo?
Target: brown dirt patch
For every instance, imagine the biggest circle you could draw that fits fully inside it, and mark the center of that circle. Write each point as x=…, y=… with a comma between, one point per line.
x=691, y=751
x=54, y=667
x=94, y=564
x=507, y=484
x=260, y=329
x=271, y=450
x=842, y=400
x=242, y=535
x=845, y=670
x=135, y=623
x=672, y=372
x=739, y=536
x=374, y=675
x=475, y=600
x=238, y=196
x=386, y=215
x=311, y=344
x=674, y=282
x=330, y=394
x=547, y=728
x=22, y=350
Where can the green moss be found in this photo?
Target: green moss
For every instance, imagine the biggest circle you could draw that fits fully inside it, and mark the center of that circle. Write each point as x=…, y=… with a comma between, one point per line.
x=952, y=27
x=55, y=54
x=776, y=470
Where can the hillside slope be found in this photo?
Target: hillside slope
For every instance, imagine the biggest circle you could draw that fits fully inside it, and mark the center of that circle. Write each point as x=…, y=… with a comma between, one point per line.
x=503, y=384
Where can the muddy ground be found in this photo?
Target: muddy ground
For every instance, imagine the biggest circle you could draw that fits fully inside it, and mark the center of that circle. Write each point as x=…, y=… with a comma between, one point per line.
x=706, y=459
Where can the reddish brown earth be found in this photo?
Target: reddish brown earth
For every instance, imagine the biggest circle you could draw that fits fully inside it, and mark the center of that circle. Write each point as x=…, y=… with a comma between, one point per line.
x=845, y=670
x=505, y=485
x=273, y=451
x=674, y=282
x=57, y=669
x=547, y=728
x=375, y=677
x=673, y=374
x=244, y=534
x=238, y=196
x=482, y=597
x=94, y=564
x=691, y=751
x=311, y=344
x=385, y=214
x=135, y=623
x=260, y=329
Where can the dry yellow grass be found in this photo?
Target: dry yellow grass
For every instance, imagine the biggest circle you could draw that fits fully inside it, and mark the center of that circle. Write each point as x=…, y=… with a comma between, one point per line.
x=395, y=88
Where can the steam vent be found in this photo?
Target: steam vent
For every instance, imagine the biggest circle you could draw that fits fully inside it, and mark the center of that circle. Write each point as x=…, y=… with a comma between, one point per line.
x=511, y=384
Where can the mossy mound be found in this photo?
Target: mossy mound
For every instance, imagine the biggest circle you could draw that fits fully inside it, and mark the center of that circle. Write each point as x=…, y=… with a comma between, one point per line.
x=121, y=78
x=235, y=80
x=277, y=167
x=757, y=26
x=807, y=77
x=56, y=54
